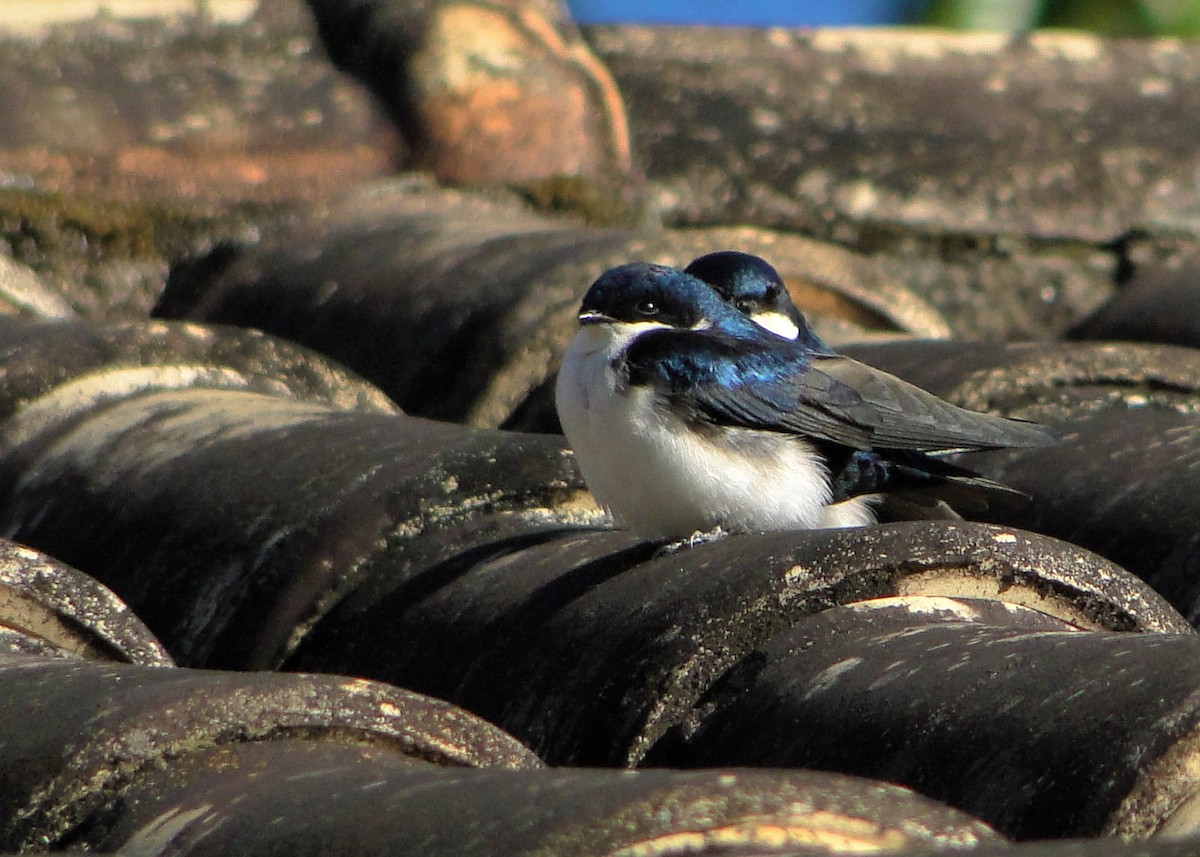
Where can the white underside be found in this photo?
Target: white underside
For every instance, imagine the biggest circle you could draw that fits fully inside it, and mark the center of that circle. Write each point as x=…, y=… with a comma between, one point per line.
x=658, y=477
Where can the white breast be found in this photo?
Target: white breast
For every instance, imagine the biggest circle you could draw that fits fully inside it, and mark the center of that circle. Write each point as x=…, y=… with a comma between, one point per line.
x=659, y=477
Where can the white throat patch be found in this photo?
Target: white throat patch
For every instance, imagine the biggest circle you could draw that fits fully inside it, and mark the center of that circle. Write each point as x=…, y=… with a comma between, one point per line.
x=777, y=323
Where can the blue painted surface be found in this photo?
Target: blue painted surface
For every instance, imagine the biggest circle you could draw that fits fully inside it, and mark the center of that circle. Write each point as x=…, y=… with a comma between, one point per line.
x=755, y=13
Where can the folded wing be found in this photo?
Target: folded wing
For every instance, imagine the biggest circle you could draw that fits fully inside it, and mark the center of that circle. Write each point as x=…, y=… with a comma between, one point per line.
x=719, y=379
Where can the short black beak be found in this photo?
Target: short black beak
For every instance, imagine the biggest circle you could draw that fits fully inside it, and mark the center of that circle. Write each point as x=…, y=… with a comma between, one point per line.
x=587, y=317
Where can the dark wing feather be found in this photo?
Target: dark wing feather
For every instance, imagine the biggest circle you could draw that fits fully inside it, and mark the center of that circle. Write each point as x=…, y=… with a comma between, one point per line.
x=907, y=417
x=716, y=379
x=720, y=379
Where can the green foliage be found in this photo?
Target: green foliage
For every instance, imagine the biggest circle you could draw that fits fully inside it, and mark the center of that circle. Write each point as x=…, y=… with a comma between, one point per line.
x=1110, y=17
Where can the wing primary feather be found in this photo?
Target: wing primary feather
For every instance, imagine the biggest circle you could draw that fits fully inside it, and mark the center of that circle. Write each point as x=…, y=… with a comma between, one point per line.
x=721, y=379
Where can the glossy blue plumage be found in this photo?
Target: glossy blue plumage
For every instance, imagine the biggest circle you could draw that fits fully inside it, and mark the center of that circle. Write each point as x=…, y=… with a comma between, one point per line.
x=753, y=286
x=667, y=382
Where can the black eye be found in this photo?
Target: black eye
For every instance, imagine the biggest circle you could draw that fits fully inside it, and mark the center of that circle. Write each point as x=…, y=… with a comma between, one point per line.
x=745, y=305
x=647, y=308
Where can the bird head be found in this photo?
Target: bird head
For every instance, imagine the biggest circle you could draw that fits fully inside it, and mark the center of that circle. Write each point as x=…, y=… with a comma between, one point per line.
x=649, y=295
x=755, y=289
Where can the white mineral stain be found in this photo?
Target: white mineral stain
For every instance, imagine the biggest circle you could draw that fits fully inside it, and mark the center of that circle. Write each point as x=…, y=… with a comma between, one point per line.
x=828, y=677
x=158, y=833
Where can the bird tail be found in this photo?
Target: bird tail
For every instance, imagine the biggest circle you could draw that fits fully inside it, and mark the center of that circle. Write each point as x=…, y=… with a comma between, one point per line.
x=913, y=506
x=946, y=491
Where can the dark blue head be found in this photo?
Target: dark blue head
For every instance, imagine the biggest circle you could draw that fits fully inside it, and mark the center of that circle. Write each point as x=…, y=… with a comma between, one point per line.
x=753, y=286
x=640, y=292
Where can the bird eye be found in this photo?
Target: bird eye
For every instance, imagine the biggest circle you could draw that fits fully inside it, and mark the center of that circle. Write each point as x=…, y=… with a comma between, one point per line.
x=647, y=308
x=744, y=305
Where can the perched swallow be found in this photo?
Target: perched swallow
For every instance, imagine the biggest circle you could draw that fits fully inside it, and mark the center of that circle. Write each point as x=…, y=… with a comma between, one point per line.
x=755, y=288
x=687, y=417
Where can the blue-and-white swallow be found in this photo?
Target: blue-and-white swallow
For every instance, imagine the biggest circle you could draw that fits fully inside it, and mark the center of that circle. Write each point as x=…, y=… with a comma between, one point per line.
x=755, y=288
x=687, y=417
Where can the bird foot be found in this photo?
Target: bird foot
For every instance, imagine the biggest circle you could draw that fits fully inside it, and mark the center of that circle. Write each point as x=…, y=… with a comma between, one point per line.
x=697, y=538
